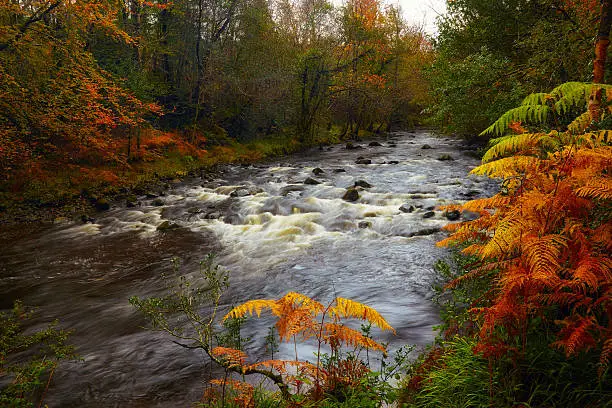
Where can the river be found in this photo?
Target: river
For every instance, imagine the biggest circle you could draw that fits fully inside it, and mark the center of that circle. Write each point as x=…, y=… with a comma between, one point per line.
x=270, y=230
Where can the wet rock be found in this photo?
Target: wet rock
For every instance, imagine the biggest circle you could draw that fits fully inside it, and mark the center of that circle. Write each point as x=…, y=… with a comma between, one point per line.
x=194, y=210
x=406, y=208
x=131, y=201
x=233, y=219
x=374, y=144
x=317, y=171
x=393, y=162
x=214, y=215
x=424, y=232
x=102, y=204
x=429, y=214
x=445, y=157
x=351, y=194
x=362, y=183
x=351, y=146
x=426, y=146
x=158, y=202
x=240, y=192
x=431, y=208
x=470, y=216
x=85, y=219
x=167, y=225
x=363, y=161
x=369, y=215
x=452, y=215
x=392, y=145
x=311, y=181
x=473, y=193
x=364, y=224
x=339, y=171
x=292, y=187
x=150, y=194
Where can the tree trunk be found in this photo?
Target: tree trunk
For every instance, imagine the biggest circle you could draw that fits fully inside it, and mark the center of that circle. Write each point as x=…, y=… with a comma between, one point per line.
x=601, y=54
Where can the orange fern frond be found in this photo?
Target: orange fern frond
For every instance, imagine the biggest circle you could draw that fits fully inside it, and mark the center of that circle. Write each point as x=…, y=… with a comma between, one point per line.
x=336, y=334
x=231, y=357
x=542, y=257
x=349, y=308
x=575, y=334
x=598, y=188
x=251, y=307
x=507, y=167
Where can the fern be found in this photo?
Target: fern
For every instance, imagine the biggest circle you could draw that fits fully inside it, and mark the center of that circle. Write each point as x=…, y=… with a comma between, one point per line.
x=535, y=114
x=349, y=308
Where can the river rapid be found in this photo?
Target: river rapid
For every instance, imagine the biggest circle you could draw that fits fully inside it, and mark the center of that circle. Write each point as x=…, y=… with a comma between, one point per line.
x=272, y=232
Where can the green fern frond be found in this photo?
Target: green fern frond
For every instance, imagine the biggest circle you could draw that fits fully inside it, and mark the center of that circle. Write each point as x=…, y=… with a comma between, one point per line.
x=510, y=145
x=535, y=99
x=507, y=166
x=580, y=124
x=535, y=114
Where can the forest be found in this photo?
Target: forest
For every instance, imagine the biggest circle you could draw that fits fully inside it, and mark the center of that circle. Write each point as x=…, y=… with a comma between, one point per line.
x=109, y=103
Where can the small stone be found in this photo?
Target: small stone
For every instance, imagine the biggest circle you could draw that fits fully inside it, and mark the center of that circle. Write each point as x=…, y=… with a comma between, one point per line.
x=351, y=146
x=292, y=187
x=363, y=161
x=393, y=162
x=365, y=224
x=369, y=215
x=150, y=194
x=317, y=171
x=452, y=215
x=431, y=208
x=158, y=202
x=426, y=146
x=311, y=181
x=445, y=157
x=406, y=208
x=194, y=210
x=351, y=194
x=429, y=214
x=339, y=171
x=85, y=219
x=374, y=144
x=362, y=183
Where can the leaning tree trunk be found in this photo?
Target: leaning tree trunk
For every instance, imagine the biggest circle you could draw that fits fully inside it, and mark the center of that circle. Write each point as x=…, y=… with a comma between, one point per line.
x=601, y=54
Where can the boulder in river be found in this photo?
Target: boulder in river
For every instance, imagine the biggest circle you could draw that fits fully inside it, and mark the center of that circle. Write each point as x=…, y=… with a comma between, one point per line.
x=291, y=187
x=311, y=181
x=424, y=232
x=158, y=202
x=339, y=171
x=362, y=183
x=363, y=161
x=392, y=162
x=429, y=214
x=351, y=146
x=407, y=208
x=351, y=194
x=452, y=215
x=317, y=171
x=167, y=225
x=374, y=144
x=426, y=146
x=365, y=224
x=445, y=157
x=240, y=192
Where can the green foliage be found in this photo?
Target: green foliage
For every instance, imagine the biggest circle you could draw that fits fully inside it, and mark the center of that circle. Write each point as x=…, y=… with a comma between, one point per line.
x=471, y=93
x=491, y=53
x=28, y=358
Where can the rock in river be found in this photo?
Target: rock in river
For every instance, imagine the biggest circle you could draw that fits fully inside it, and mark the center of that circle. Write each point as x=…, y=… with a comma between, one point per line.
x=311, y=181
x=362, y=183
x=363, y=161
x=351, y=194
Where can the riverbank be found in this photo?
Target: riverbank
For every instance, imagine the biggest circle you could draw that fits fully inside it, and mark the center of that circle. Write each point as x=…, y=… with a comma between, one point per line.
x=64, y=192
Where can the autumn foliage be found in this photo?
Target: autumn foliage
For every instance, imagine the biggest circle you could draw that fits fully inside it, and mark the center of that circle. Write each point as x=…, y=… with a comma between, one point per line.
x=300, y=318
x=545, y=239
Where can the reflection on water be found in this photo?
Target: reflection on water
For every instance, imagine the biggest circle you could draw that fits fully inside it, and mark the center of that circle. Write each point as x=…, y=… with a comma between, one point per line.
x=273, y=232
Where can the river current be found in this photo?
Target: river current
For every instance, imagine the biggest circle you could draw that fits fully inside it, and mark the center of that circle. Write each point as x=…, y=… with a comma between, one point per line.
x=270, y=230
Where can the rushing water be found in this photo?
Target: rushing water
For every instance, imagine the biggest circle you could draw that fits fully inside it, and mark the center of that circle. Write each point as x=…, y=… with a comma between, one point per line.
x=270, y=230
